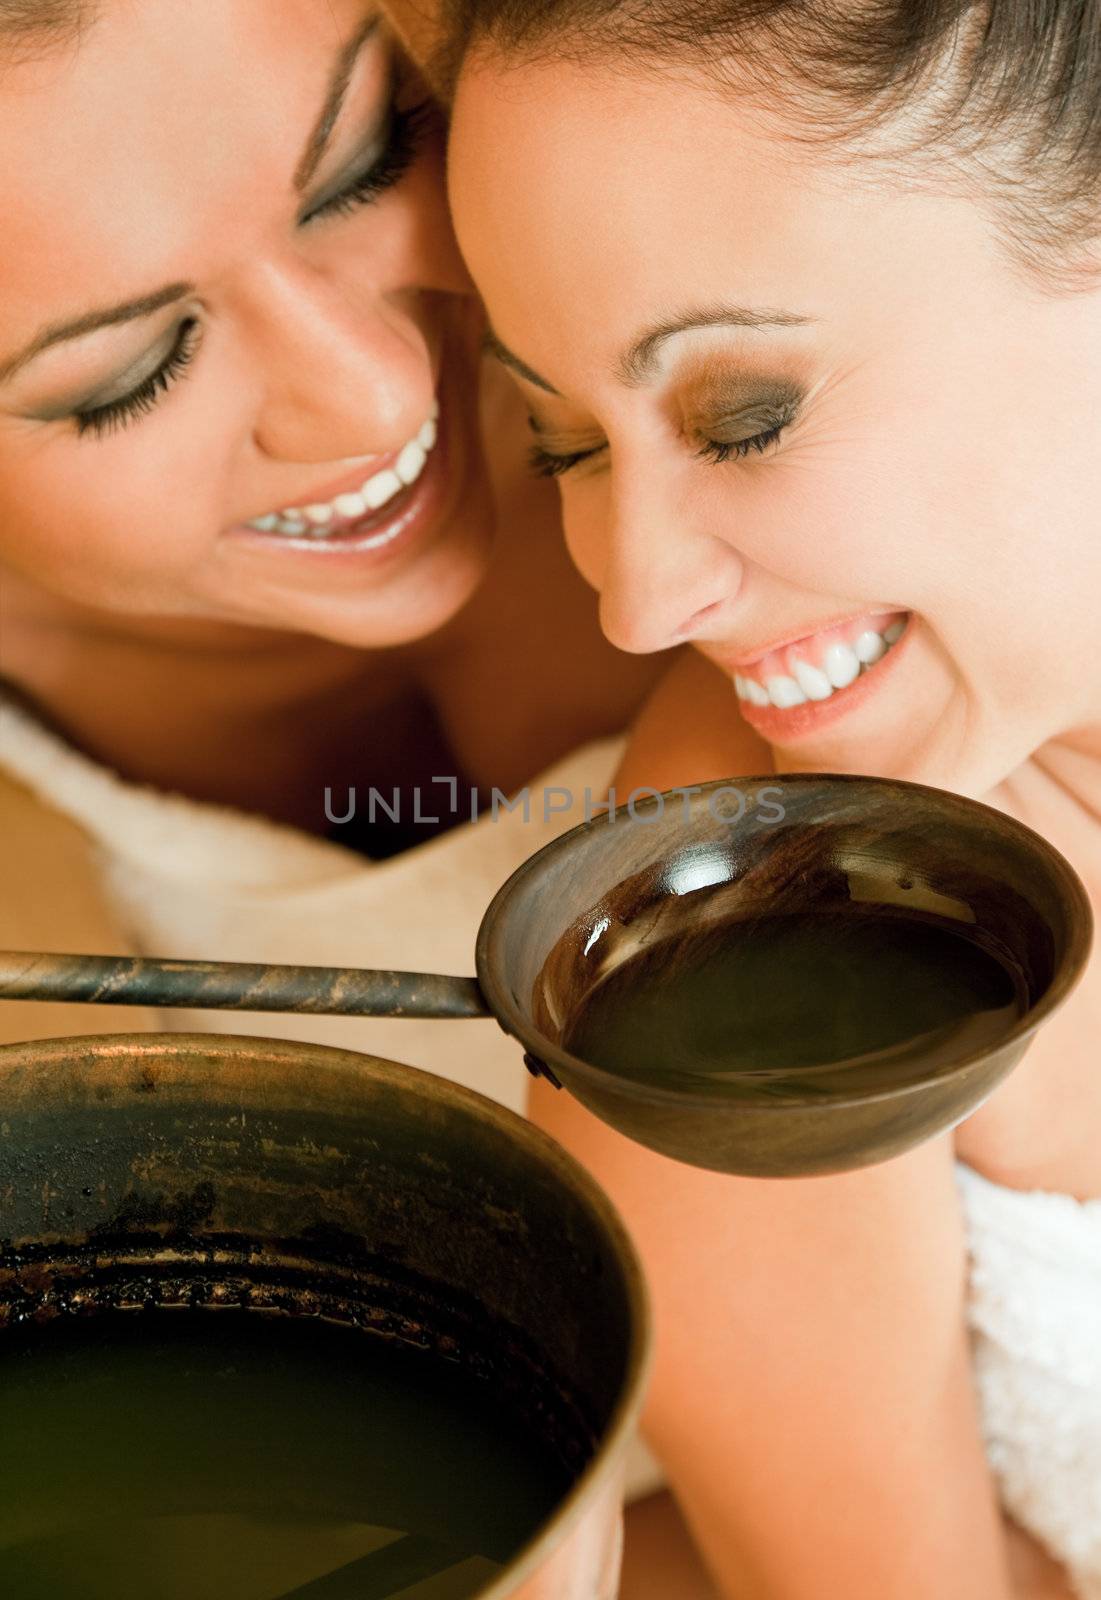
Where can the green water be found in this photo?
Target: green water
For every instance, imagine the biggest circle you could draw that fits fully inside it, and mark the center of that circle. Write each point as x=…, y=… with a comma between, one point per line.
x=222, y=1456
x=788, y=998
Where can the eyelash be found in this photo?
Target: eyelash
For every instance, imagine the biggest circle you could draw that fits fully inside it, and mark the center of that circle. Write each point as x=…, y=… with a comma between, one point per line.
x=546, y=465
x=107, y=419
x=407, y=131
x=715, y=450
x=408, y=128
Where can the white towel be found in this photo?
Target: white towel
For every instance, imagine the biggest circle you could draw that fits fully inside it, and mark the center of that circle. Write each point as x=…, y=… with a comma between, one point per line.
x=195, y=880
x=1035, y=1314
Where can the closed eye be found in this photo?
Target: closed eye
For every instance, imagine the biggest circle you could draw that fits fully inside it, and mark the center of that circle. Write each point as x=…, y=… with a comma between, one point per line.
x=547, y=464
x=406, y=134
x=720, y=450
x=116, y=414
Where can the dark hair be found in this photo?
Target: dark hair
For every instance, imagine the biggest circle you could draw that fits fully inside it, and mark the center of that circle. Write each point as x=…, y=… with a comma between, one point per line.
x=1011, y=89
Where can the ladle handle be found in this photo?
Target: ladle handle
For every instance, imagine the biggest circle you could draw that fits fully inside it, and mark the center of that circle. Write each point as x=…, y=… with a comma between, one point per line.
x=236, y=986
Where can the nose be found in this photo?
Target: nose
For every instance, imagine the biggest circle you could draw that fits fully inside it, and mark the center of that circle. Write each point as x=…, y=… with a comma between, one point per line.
x=344, y=373
x=667, y=577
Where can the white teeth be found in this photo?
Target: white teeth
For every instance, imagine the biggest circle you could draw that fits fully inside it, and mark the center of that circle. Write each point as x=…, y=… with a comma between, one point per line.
x=814, y=683
x=841, y=665
x=410, y=463
x=784, y=692
x=350, y=506
x=382, y=487
x=869, y=647
x=317, y=520
x=749, y=689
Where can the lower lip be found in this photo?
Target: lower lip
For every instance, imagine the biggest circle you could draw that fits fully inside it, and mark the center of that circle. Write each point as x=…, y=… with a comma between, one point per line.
x=799, y=722
x=382, y=536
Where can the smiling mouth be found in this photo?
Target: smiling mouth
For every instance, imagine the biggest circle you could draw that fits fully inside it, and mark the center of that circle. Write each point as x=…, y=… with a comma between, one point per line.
x=822, y=665
x=347, y=513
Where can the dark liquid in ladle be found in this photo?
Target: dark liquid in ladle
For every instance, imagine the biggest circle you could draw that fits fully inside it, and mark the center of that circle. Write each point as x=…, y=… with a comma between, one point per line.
x=208, y=1455
x=822, y=1002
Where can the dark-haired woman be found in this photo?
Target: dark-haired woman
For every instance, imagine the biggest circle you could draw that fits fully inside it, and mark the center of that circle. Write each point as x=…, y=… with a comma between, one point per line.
x=278, y=601
x=805, y=304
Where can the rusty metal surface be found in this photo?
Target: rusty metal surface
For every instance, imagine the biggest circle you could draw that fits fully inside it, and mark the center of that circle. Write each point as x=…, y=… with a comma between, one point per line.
x=236, y=986
x=151, y=1171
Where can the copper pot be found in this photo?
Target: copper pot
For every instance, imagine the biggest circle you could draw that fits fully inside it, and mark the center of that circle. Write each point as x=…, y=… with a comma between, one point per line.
x=144, y=1169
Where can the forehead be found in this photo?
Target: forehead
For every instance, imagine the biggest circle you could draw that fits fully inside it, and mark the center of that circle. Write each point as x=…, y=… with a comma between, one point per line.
x=126, y=155
x=598, y=198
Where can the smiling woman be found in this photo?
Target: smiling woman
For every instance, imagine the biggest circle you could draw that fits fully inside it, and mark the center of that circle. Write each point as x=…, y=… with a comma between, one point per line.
x=805, y=306
x=266, y=535
x=265, y=532
x=237, y=349
x=312, y=366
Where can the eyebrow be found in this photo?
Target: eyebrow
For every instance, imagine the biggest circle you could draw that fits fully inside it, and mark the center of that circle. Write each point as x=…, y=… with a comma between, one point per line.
x=509, y=359
x=339, y=83
x=637, y=364
x=146, y=305
x=59, y=332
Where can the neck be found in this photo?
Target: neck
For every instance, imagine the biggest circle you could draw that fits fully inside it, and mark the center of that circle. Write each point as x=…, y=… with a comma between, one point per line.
x=1058, y=792
x=214, y=711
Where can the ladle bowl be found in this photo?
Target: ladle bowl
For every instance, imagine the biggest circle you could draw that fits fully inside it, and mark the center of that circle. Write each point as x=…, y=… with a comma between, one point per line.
x=674, y=866
x=678, y=863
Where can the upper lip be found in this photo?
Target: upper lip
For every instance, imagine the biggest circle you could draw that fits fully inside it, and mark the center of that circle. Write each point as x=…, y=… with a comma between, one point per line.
x=355, y=477
x=781, y=641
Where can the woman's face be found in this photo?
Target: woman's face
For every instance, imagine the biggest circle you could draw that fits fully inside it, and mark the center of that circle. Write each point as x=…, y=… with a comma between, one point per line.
x=230, y=309
x=815, y=424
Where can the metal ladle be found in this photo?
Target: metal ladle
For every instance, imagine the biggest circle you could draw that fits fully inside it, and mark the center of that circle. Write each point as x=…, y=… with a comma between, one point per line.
x=673, y=866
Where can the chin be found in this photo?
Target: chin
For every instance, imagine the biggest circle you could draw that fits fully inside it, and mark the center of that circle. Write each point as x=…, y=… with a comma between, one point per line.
x=931, y=755
x=363, y=615
x=920, y=749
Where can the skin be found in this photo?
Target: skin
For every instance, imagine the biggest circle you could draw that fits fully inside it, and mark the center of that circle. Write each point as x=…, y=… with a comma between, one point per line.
x=943, y=462
x=322, y=338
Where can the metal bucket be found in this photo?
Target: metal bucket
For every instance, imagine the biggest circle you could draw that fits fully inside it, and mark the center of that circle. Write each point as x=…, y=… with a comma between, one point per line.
x=200, y=1169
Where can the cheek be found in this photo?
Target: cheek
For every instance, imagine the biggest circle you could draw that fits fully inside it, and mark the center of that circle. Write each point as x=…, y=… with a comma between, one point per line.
x=122, y=525
x=585, y=523
x=871, y=517
x=430, y=236
x=404, y=244
x=933, y=530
